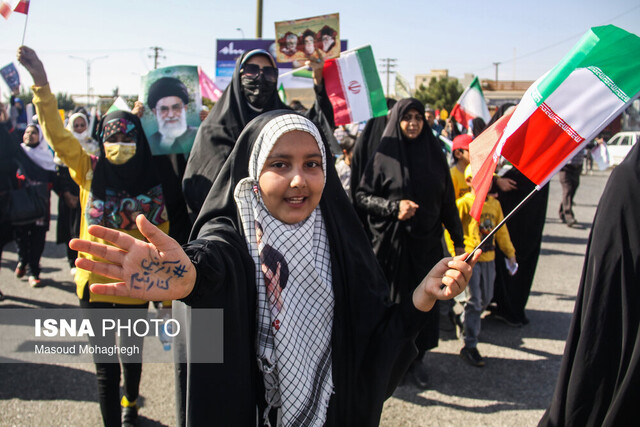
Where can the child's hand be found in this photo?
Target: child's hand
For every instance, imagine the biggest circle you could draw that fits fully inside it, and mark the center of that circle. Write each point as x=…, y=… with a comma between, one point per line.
x=155, y=271
x=512, y=265
x=446, y=280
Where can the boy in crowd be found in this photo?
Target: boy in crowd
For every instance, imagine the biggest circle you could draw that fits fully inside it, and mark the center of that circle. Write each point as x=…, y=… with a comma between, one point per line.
x=479, y=293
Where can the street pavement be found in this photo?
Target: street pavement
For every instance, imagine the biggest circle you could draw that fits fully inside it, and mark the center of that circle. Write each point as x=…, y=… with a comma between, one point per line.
x=514, y=387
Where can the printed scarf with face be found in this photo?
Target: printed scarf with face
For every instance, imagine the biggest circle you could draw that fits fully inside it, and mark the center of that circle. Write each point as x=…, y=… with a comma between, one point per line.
x=295, y=295
x=120, y=192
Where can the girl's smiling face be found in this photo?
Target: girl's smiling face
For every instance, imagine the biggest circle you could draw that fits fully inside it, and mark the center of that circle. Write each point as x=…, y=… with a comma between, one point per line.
x=292, y=179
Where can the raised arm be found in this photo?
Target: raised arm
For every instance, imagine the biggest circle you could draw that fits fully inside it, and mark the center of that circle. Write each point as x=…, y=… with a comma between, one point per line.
x=156, y=270
x=66, y=146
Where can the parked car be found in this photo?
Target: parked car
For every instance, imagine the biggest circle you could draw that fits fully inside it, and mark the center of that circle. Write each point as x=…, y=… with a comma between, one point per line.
x=620, y=144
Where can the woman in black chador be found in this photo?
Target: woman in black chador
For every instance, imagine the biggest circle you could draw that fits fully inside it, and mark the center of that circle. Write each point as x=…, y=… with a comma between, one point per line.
x=407, y=193
x=599, y=380
x=278, y=247
x=252, y=91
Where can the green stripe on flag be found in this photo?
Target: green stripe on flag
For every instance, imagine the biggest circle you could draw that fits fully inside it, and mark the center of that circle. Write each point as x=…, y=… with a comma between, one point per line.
x=306, y=73
x=610, y=53
x=370, y=72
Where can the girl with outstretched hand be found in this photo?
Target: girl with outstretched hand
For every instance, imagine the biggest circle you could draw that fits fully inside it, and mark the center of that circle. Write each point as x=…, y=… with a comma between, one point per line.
x=278, y=247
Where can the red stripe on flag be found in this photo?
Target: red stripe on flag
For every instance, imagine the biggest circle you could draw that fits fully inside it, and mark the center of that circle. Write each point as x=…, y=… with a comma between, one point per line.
x=483, y=165
x=461, y=116
x=482, y=183
x=333, y=85
x=22, y=7
x=540, y=145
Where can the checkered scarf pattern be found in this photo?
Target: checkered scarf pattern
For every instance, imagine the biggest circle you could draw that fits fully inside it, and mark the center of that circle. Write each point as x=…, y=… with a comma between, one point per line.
x=295, y=297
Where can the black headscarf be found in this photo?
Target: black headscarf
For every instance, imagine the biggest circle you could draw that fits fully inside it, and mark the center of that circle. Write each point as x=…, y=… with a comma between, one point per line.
x=372, y=342
x=599, y=380
x=415, y=170
x=222, y=127
x=135, y=176
x=216, y=137
x=366, y=146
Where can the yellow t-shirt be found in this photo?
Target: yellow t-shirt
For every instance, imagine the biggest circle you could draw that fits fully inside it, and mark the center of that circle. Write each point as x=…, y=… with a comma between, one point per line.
x=68, y=148
x=460, y=187
x=475, y=231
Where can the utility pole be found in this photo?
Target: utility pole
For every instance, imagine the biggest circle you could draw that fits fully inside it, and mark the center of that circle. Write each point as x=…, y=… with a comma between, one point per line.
x=88, y=62
x=259, y=19
x=388, y=64
x=496, y=65
x=156, y=55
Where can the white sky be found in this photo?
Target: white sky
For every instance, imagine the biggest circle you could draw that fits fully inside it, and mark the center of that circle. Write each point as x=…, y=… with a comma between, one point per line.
x=527, y=37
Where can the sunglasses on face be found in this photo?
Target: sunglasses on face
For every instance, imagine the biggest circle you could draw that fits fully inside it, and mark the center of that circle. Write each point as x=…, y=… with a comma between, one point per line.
x=253, y=71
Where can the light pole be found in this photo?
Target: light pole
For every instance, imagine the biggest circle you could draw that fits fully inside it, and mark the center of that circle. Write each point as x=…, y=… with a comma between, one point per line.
x=241, y=32
x=259, y=19
x=88, y=61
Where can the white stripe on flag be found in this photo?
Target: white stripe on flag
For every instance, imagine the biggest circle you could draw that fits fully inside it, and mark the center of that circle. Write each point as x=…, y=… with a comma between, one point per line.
x=583, y=90
x=354, y=87
x=473, y=104
x=524, y=110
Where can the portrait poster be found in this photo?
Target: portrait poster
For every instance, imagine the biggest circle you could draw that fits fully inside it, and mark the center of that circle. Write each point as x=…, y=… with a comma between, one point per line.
x=11, y=77
x=301, y=39
x=172, y=103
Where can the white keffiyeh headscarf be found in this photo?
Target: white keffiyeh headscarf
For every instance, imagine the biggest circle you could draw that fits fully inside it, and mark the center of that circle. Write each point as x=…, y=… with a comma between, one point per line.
x=40, y=154
x=295, y=296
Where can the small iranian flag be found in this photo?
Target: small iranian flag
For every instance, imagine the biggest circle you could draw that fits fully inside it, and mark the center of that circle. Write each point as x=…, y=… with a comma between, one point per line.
x=471, y=105
x=564, y=109
x=354, y=87
x=8, y=6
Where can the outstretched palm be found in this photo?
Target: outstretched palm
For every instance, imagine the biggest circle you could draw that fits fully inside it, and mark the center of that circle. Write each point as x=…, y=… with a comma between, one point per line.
x=154, y=271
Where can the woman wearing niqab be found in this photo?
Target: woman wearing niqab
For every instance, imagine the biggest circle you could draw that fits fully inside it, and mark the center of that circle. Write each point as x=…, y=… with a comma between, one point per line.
x=599, y=379
x=218, y=133
x=416, y=170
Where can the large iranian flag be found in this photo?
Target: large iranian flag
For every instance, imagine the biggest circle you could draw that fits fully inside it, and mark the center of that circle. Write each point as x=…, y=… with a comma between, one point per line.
x=564, y=109
x=471, y=104
x=353, y=86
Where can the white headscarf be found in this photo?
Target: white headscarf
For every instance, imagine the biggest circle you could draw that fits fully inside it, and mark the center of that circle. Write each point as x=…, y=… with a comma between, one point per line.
x=40, y=154
x=89, y=144
x=295, y=296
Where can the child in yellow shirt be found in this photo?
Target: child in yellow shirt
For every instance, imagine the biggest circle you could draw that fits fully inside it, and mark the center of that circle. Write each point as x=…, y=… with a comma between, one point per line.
x=479, y=293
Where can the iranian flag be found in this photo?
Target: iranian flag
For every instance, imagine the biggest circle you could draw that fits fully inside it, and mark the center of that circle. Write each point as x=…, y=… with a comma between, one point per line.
x=8, y=6
x=471, y=105
x=564, y=109
x=354, y=87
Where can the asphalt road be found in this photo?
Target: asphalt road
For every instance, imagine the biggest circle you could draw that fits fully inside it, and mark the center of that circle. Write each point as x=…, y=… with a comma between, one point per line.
x=513, y=388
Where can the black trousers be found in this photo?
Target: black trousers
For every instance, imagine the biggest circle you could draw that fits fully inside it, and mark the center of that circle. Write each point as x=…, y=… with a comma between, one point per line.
x=30, y=239
x=108, y=374
x=569, y=177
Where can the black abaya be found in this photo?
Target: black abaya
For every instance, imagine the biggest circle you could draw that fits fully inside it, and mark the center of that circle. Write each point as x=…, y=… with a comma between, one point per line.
x=415, y=170
x=599, y=380
x=372, y=339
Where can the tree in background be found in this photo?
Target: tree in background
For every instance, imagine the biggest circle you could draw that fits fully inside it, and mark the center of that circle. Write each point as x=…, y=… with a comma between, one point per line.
x=65, y=102
x=440, y=93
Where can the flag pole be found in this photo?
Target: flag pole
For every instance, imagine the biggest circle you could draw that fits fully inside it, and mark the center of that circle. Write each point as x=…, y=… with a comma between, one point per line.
x=504, y=220
x=24, y=31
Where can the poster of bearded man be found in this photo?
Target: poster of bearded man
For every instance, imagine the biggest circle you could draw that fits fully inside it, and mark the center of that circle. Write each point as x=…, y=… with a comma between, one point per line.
x=173, y=102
